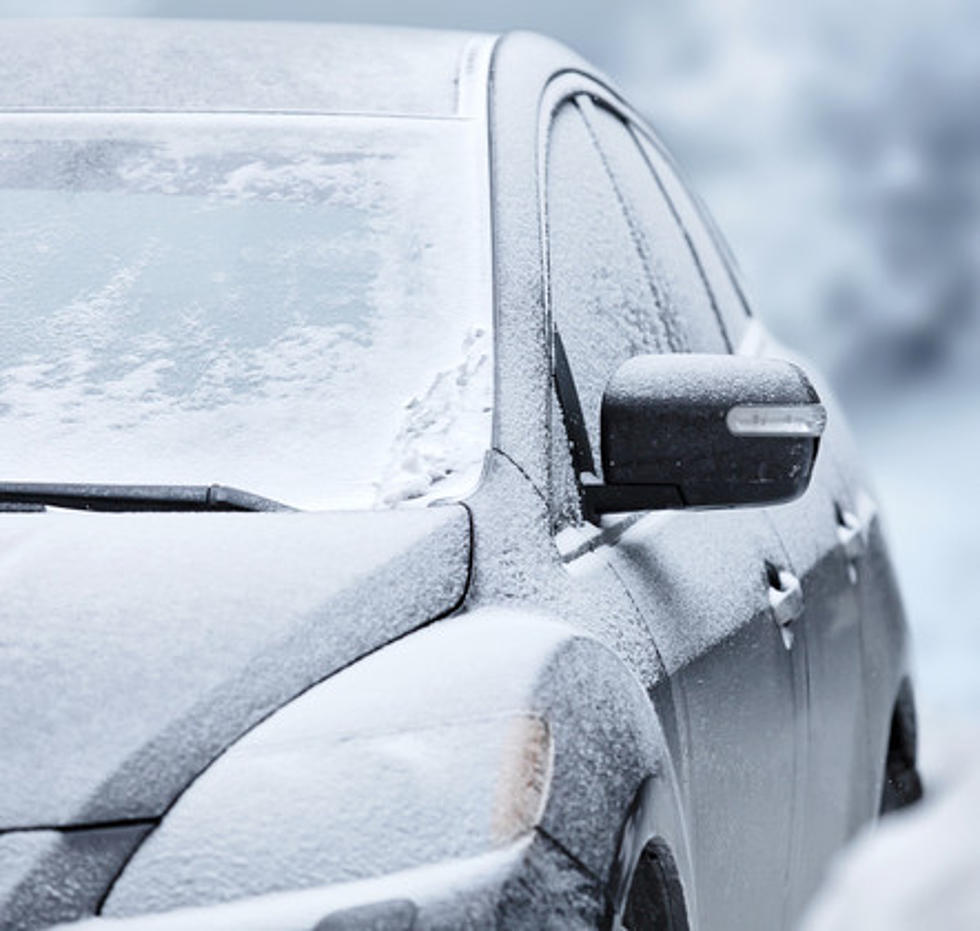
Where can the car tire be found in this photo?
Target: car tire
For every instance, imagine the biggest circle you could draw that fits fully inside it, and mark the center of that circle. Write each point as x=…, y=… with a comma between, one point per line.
x=655, y=901
x=901, y=785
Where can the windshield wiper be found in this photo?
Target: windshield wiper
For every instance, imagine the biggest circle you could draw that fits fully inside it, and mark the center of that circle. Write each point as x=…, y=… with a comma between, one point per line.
x=33, y=496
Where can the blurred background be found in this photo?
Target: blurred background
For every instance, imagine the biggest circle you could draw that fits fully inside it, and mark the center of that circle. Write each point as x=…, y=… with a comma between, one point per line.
x=838, y=145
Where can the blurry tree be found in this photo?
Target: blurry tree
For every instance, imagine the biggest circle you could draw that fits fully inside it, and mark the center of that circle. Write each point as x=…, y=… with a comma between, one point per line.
x=908, y=142
x=839, y=145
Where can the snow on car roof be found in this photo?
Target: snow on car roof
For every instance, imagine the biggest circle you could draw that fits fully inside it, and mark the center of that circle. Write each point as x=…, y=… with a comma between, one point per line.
x=234, y=66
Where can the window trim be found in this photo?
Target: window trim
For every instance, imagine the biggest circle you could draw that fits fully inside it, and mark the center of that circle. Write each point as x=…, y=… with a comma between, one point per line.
x=563, y=89
x=725, y=255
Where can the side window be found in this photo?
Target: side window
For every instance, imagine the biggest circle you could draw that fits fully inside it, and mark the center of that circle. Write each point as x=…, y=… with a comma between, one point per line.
x=601, y=299
x=727, y=296
x=677, y=280
x=623, y=277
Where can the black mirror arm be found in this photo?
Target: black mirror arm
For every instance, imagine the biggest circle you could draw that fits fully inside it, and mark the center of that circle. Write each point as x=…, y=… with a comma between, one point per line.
x=592, y=493
x=571, y=412
x=599, y=499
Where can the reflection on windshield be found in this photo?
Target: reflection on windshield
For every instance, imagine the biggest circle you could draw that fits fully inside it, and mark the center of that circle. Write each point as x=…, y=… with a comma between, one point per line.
x=295, y=305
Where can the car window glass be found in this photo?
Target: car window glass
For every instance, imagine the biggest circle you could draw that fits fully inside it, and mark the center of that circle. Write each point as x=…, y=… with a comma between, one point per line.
x=601, y=298
x=728, y=298
x=683, y=300
x=298, y=305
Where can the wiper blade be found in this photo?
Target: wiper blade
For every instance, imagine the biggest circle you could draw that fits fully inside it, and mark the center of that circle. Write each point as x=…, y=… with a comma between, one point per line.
x=31, y=496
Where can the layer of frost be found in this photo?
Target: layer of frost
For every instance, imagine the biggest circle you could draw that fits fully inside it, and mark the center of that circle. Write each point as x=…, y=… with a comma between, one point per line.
x=251, y=300
x=432, y=453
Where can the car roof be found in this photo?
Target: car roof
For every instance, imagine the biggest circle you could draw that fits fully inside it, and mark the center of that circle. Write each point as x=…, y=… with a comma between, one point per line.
x=195, y=65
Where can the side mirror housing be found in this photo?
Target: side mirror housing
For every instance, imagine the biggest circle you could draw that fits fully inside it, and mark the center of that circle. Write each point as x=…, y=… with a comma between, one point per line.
x=705, y=431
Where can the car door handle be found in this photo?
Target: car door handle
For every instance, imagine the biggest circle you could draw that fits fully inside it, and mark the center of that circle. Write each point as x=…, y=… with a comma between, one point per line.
x=851, y=534
x=785, y=596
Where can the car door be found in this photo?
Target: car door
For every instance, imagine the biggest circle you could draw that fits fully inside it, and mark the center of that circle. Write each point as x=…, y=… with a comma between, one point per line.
x=824, y=536
x=823, y=544
x=624, y=280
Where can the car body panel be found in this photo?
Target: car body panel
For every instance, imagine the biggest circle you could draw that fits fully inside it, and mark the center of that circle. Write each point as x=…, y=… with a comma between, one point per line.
x=517, y=563
x=832, y=789
x=183, y=631
x=485, y=891
x=51, y=875
x=319, y=792
x=708, y=611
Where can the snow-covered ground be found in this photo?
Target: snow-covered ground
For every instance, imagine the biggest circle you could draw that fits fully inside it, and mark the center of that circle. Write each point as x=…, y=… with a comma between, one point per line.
x=921, y=869
x=915, y=871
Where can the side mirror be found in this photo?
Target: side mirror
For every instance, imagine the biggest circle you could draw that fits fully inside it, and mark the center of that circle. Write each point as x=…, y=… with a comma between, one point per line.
x=705, y=431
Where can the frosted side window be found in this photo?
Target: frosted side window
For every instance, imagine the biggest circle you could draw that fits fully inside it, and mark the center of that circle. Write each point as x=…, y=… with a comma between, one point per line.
x=601, y=298
x=730, y=302
x=677, y=283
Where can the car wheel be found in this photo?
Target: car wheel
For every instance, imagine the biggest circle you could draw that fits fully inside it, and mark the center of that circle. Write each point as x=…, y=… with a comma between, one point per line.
x=901, y=786
x=655, y=901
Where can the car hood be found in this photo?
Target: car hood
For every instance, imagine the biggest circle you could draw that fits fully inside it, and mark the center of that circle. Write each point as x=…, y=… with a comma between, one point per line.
x=134, y=648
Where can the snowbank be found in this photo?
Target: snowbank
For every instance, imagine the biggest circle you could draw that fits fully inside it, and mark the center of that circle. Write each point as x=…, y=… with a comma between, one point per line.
x=920, y=868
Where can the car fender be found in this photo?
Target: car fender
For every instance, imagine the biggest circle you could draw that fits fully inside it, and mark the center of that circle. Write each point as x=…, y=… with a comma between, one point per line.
x=565, y=738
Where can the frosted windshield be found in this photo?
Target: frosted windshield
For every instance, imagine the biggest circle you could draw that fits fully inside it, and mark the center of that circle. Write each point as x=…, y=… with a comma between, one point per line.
x=295, y=305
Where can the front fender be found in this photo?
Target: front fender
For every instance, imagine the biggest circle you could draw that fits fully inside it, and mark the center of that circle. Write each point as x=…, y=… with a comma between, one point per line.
x=455, y=740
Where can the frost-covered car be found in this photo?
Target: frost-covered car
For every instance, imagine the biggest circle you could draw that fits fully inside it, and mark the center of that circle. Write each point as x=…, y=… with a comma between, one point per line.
x=405, y=524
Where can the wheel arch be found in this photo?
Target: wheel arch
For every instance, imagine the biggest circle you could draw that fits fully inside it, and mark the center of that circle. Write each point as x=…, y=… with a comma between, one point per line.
x=901, y=785
x=655, y=900
x=615, y=797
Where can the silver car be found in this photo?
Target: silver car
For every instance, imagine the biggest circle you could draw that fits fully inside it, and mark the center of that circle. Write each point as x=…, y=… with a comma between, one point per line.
x=404, y=521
